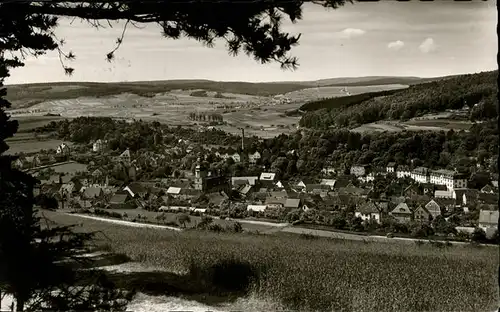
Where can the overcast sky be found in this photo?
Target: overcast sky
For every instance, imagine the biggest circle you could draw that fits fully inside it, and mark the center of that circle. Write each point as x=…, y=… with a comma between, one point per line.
x=364, y=39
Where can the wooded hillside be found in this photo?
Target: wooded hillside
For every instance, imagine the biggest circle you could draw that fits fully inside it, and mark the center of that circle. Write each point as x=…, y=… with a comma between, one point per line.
x=417, y=100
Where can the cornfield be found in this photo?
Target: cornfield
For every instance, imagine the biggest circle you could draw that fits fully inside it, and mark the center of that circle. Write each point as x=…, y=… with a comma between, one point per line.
x=313, y=274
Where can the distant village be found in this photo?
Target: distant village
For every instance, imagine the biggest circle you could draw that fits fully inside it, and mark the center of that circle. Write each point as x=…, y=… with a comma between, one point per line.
x=429, y=194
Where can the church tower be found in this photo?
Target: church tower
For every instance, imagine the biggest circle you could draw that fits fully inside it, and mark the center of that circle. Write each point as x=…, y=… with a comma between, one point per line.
x=200, y=175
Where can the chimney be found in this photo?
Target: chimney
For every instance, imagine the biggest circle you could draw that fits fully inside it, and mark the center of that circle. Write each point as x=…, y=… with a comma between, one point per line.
x=242, y=139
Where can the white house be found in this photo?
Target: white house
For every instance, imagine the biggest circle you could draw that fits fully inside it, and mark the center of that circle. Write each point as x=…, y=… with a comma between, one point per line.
x=391, y=167
x=368, y=211
x=258, y=208
x=173, y=190
x=253, y=158
x=236, y=157
x=279, y=184
x=328, y=170
x=99, y=145
x=266, y=176
x=63, y=149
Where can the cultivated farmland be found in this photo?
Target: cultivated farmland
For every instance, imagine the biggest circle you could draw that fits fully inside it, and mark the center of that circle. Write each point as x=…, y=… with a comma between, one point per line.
x=259, y=108
x=313, y=274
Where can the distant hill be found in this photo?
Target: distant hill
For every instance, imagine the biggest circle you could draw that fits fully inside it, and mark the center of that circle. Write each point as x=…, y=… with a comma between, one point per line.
x=365, y=81
x=27, y=95
x=30, y=94
x=417, y=100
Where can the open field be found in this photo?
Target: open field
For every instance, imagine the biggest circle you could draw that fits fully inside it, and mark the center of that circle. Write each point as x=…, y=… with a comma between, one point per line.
x=311, y=274
x=256, y=111
x=416, y=125
x=441, y=123
x=69, y=168
x=27, y=123
x=27, y=95
x=24, y=141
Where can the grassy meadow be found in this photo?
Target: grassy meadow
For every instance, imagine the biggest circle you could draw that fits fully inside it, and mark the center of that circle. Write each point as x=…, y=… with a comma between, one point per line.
x=311, y=274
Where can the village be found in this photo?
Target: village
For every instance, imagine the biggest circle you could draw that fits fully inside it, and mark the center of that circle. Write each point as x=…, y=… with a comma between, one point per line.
x=335, y=200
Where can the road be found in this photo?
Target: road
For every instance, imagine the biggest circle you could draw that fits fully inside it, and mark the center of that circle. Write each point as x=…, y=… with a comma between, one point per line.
x=287, y=228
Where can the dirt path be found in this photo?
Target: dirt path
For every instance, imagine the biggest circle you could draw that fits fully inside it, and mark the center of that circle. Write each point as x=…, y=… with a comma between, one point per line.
x=260, y=222
x=127, y=223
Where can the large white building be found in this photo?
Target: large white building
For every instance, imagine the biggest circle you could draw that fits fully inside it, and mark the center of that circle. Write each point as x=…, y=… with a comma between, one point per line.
x=451, y=179
x=420, y=174
x=402, y=172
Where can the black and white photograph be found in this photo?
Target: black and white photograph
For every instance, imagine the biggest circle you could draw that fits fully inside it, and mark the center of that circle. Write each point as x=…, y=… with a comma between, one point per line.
x=249, y=155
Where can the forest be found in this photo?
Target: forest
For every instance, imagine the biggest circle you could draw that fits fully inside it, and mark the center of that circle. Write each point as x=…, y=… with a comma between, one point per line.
x=302, y=153
x=415, y=101
x=344, y=101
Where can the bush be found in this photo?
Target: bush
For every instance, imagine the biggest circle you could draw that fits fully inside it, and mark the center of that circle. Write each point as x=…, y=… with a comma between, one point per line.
x=421, y=230
x=478, y=236
x=215, y=228
x=110, y=214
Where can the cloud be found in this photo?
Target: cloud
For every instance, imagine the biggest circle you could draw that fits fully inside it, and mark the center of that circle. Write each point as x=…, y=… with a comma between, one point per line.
x=427, y=45
x=352, y=32
x=396, y=45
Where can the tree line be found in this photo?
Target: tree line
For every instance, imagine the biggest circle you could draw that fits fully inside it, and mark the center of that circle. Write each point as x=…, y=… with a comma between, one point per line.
x=206, y=117
x=303, y=154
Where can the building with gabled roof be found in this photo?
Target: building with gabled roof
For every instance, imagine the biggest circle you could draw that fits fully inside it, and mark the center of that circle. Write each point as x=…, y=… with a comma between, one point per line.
x=293, y=203
x=402, y=213
x=421, y=214
x=119, y=200
x=135, y=190
x=125, y=156
x=368, y=211
x=488, y=189
x=92, y=192
x=63, y=150
x=329, y=182
x=433, y=208
x=488, y=221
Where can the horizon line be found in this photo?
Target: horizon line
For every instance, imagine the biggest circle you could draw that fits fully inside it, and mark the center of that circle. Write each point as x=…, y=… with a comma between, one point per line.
x=254, y=82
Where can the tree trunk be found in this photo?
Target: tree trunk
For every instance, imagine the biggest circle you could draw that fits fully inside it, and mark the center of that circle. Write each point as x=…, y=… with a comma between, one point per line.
x=19, y=305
